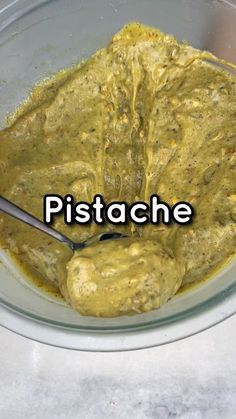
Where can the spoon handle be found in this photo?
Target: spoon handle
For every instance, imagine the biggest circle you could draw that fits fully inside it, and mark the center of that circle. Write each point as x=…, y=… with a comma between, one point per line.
x=11, y=209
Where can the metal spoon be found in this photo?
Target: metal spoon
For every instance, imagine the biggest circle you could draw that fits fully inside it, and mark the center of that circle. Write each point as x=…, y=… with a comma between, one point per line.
x=11, y=209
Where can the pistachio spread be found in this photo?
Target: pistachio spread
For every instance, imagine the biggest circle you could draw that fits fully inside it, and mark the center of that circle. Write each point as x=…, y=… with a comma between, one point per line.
x=145, y=115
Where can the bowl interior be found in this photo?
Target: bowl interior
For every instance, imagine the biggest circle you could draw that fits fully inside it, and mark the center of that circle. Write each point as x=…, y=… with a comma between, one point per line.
x=39, y=37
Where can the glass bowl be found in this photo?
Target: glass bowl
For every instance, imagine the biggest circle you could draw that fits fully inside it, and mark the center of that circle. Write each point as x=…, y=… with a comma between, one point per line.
x=39, y=37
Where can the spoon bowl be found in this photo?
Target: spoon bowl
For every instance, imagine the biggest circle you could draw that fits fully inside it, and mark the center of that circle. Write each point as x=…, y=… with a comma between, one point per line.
x=14, y=211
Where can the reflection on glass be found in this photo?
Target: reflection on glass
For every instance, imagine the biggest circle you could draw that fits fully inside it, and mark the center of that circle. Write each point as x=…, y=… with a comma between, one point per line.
x=221, y=36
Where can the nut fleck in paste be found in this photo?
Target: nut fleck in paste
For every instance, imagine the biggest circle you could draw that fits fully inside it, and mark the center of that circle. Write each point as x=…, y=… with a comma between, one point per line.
x=145, y=115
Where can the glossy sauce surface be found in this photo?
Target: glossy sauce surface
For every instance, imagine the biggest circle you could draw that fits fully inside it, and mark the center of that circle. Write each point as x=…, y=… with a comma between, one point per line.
x=145, y=115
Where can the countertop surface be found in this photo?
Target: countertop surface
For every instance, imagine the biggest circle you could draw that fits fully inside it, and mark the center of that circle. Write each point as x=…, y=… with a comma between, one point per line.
x=190, y=379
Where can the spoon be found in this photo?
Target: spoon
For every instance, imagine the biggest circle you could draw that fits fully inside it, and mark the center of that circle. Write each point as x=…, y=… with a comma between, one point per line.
x=11, y=209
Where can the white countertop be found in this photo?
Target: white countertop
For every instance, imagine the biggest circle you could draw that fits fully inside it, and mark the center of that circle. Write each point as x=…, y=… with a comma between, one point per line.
x=191, y=379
